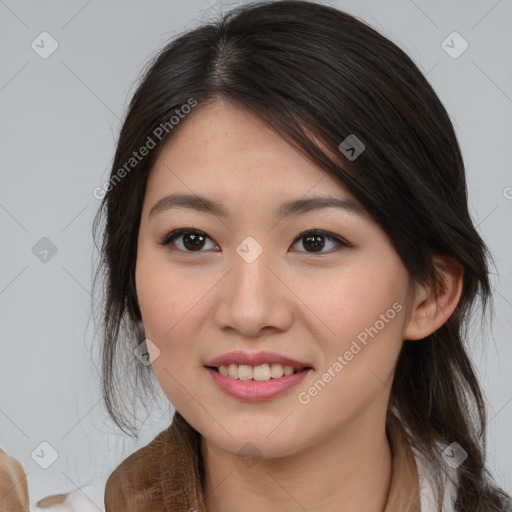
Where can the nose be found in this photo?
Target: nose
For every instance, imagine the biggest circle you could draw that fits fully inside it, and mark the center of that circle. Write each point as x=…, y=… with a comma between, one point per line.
x=254, y=299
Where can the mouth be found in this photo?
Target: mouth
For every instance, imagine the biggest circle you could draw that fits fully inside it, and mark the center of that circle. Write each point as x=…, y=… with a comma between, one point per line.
x=265, y=381
x=262, y=372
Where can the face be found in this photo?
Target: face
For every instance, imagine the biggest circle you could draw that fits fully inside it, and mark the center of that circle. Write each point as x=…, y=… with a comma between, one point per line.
x=321, y=286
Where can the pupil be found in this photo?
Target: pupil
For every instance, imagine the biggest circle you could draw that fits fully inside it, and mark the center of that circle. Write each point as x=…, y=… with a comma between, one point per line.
x=193, y=241
x=315, y=242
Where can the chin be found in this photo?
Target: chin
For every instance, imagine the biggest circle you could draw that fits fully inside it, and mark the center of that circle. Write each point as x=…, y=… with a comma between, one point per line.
x=254, y=444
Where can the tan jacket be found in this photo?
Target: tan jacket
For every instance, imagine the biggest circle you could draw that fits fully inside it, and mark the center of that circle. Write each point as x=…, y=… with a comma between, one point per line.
x=159, y=474
x=147, y=482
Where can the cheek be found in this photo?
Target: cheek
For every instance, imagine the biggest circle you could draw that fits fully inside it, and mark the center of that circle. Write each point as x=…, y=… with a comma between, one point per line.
x=160, y=300
x=171, y=300
x=164, y=301
x=365, y=308
x=163, y=294
x=360, y=338
x=155, y=296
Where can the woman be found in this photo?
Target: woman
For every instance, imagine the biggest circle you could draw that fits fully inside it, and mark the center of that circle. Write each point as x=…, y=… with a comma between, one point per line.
x=287, y=232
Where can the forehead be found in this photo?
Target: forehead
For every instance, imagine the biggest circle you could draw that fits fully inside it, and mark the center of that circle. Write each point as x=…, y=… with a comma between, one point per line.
x=225, y=150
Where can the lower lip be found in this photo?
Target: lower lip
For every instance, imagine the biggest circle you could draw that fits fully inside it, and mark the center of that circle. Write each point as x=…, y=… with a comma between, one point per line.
x=254, y=390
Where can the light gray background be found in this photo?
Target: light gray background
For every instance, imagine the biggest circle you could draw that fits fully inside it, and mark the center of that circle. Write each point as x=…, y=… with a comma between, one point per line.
x=60, y=117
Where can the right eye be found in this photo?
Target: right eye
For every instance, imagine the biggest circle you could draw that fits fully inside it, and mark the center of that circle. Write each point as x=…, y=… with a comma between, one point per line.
x=191, y=240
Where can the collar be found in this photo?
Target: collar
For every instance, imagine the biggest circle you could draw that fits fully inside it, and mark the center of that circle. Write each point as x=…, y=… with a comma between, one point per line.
x=157, y=477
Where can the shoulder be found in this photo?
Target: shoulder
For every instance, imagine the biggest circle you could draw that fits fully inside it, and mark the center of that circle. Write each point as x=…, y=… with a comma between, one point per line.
x=13, y=484
x=135, y=485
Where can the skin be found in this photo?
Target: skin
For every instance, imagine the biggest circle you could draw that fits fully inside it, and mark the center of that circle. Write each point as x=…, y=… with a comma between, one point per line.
x=197, y=305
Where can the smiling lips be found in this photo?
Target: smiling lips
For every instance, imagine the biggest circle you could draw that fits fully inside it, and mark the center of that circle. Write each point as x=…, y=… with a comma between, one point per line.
x=258, y=366
x=256, y=376
x=261, y=372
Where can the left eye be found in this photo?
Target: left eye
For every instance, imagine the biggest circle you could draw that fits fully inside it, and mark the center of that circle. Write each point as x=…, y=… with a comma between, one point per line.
x=315, y=239
x=193, y=240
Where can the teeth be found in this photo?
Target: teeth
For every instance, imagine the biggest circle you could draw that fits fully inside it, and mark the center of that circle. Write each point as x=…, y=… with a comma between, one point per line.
x=245, y=372
x=233, y=371
x=261, y=372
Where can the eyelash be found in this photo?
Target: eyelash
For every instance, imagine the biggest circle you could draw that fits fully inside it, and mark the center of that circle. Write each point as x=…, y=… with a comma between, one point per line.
x=173, y=235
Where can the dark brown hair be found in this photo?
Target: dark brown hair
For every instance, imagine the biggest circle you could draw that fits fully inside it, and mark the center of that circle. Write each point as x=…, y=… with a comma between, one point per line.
x=316, y=74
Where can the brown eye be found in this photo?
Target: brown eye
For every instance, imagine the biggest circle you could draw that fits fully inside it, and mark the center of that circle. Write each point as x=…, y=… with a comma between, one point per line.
x=314, y=241
x=192, y=240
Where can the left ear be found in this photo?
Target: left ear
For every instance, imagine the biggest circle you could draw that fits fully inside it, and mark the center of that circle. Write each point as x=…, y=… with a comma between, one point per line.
x=433, y=306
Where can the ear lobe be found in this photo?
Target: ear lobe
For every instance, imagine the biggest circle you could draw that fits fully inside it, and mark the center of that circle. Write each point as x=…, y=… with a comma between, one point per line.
x=433, y=306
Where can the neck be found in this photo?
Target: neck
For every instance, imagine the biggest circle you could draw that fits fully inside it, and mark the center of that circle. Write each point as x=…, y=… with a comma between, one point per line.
x=331, y=475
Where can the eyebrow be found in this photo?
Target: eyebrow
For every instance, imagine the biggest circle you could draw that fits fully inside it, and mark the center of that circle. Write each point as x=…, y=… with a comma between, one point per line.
x=294, y=207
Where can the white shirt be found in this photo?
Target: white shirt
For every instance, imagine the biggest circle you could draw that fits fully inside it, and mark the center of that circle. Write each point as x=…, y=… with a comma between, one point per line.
x=427, y=498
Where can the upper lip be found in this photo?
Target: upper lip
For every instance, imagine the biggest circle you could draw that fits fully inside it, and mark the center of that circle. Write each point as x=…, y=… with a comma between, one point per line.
x=256, y=359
